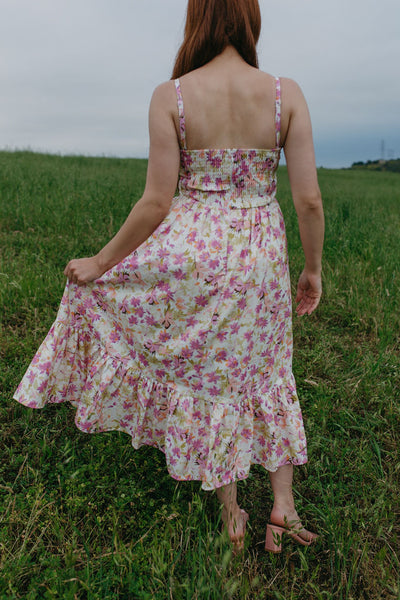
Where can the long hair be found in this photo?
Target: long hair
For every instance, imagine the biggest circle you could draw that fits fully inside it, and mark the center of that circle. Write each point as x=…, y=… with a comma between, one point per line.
x=212, y=25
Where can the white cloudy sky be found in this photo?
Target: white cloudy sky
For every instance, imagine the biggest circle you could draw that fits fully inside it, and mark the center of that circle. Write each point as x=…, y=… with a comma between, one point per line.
x=76, y=76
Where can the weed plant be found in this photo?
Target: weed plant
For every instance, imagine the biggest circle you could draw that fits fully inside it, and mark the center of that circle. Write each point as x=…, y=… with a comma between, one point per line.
x=88, y=517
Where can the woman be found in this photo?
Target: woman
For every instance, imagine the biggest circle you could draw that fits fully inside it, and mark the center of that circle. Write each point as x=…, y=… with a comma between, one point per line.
x=178, y=331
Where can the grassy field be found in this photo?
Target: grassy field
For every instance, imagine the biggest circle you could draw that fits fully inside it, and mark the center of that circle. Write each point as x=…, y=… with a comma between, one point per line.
x=88, y=517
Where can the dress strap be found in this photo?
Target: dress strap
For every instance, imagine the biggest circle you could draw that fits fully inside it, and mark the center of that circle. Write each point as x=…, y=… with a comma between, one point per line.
x=278, y=108
x=182, y=124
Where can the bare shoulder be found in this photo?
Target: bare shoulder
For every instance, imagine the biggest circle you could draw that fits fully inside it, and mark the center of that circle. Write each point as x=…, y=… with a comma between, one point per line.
x=290, y=85
x=164, y=96
x=292, y=93
x=263, y=76
x=290, y=89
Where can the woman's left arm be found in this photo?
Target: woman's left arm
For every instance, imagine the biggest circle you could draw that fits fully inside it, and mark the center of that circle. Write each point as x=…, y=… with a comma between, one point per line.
x=154, y=205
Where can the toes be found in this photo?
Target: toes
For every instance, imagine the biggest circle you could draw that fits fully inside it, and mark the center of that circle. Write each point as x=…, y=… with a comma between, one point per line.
x=308, y=536
x=237, y=533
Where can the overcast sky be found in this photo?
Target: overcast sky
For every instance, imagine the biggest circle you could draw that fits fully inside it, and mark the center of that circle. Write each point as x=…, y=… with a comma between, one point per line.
x=76, y=76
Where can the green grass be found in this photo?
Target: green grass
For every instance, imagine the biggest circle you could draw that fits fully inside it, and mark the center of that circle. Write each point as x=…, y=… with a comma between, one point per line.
x=88, y=517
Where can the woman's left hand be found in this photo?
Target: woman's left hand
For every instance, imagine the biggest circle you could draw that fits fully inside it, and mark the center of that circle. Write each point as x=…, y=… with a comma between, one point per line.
x=83, y=270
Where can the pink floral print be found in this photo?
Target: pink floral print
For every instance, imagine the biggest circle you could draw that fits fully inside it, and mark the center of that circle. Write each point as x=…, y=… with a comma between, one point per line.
x=186, y=345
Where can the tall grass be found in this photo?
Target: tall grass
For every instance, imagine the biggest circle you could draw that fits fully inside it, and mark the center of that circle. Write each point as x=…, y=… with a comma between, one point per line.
x=89, y=517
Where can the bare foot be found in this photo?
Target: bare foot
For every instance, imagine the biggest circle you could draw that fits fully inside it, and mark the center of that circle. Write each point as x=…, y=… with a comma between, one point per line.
x=289, y=519
x=236, y=527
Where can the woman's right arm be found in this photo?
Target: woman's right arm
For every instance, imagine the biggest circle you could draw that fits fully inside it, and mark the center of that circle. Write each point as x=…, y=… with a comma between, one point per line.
x=153, y=207
x=300, y=159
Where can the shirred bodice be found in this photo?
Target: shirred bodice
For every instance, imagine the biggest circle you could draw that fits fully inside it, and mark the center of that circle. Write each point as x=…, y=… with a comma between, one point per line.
x=242, y=178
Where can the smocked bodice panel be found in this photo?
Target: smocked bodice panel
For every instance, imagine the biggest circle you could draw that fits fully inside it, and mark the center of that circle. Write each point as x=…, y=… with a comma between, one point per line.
x=243, y=178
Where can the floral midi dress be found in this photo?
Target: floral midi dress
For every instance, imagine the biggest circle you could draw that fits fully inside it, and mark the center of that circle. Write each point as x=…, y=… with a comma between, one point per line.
x=186, y=344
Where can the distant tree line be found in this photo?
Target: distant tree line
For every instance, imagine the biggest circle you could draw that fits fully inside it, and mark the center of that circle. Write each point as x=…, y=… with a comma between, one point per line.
x=379, y=165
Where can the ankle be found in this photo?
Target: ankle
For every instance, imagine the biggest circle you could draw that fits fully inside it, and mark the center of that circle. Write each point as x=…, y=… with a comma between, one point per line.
x=282, y=508
x=230, y=513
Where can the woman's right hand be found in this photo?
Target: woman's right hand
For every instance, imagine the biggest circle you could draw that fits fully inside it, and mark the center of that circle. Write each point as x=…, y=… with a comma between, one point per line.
x=309, y=290
x=83, y=270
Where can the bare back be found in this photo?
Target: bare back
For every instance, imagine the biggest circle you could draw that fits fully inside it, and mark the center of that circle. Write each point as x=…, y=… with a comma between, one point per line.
x=229, y=104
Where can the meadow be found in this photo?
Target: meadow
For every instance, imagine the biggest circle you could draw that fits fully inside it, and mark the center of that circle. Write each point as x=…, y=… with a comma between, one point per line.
x=87, y=517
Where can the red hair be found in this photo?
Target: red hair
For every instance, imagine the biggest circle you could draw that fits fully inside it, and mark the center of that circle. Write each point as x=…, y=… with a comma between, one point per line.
x=211, y=26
